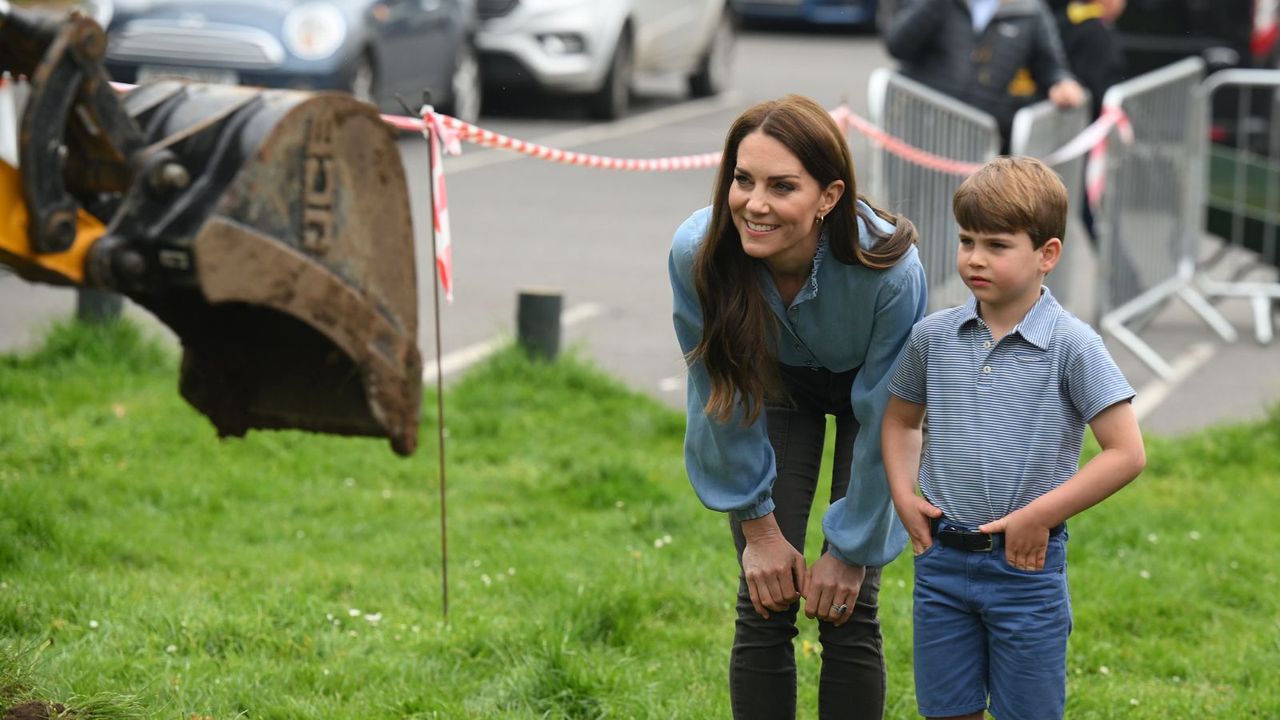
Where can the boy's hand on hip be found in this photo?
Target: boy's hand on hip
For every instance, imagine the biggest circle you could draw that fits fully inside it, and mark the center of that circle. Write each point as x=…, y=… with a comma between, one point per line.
x=917, y=523
x=1026, y=540
x=833, y=589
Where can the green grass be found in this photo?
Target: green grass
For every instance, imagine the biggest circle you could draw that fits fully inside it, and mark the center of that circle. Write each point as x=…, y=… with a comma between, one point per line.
x=148, y=569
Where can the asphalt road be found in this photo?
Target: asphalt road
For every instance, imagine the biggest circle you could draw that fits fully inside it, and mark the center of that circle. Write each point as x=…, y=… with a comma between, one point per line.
x=601, y=237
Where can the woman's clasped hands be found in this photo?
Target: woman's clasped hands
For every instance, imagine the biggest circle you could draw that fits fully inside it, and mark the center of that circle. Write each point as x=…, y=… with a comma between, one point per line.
x=777, y=576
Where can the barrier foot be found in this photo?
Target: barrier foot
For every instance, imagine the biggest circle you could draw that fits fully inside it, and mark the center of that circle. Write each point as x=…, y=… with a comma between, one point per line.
x=1260, y=295
x=1207, y=313
x=1143, y=351
x=1262, y=318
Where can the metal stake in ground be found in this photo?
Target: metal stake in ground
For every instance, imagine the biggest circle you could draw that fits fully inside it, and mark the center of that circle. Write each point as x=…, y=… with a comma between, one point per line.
x=440, y=430
x=444, y=508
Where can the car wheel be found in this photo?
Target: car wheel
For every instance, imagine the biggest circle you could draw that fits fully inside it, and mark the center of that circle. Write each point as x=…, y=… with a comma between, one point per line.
x=364, y=81
x=614, y=99
x=716, y=66
x=466, y=87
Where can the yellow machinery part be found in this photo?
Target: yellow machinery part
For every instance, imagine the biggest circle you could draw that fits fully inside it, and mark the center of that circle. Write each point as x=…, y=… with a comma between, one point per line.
x=15, y=248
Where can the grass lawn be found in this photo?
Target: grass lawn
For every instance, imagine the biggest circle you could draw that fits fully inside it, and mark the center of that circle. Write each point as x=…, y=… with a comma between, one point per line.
x=148, y=569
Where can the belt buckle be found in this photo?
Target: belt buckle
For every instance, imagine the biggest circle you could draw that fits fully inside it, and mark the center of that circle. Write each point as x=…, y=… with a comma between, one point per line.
x=985, y=542
x=969, y=540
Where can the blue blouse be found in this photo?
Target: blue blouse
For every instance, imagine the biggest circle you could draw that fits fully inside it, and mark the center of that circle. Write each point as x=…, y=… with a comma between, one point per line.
x=845, y=317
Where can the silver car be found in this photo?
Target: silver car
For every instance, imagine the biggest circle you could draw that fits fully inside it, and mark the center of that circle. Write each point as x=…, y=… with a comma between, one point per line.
x=595, y=48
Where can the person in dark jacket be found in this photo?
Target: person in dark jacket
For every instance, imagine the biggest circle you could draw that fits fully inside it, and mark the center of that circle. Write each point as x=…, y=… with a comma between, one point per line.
x=1093, y=55
x=996, y=55
x=1087, y=38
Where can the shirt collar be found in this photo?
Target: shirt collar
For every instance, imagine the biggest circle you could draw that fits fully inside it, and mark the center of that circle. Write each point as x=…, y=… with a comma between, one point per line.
x=810, y=289
x=865, y=238
x=1036, y=327
x=982, y=11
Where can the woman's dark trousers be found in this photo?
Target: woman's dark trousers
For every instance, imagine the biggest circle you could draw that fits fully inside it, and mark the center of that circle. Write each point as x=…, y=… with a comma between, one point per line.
x=762, y=668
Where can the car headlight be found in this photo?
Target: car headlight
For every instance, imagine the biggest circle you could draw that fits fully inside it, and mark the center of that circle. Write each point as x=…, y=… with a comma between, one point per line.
x=314, y=30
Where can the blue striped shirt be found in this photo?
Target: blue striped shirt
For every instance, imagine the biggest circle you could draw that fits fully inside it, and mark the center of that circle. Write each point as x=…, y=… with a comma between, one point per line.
x=1006, y=420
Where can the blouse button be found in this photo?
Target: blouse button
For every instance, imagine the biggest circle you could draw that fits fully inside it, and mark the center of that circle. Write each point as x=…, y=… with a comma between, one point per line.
x=986, y=369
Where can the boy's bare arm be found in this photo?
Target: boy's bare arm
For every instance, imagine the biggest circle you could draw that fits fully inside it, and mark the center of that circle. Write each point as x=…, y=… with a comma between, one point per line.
x=1122, y=458
x=900, y=441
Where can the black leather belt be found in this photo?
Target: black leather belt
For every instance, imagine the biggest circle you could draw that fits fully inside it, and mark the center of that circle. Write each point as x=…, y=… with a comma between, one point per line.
x=972, y=540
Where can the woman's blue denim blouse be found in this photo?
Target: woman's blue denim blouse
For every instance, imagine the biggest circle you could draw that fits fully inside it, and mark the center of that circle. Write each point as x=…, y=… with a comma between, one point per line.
x=846, y=317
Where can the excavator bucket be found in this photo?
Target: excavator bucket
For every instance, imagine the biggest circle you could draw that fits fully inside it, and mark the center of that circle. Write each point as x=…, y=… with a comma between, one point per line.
x=302, y=306
x=269, y=229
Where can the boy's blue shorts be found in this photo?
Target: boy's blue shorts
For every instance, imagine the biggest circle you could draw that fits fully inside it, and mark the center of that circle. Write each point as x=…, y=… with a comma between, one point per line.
x=985, y=629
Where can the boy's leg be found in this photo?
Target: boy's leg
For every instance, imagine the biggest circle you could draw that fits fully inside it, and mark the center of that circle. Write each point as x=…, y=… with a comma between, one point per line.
x=762, y=668
x=853, y=672
x=1028, y=616
x=949, y=640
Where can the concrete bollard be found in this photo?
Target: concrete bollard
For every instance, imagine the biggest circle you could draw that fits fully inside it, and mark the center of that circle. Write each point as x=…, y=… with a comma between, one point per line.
x=98, y=306
x=538, y=322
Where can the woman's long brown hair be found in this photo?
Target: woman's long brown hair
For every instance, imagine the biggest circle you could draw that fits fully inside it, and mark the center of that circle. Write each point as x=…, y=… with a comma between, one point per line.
x=740, y=332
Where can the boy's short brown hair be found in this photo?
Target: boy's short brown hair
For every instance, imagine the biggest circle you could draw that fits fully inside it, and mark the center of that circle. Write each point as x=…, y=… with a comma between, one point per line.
x=1013, y=194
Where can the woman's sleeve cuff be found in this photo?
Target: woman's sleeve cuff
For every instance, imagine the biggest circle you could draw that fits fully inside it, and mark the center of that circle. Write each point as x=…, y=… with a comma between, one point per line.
x=759, y=510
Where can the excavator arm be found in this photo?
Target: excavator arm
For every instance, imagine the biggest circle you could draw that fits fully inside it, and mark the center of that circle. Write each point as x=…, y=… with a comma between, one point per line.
x=269, y=229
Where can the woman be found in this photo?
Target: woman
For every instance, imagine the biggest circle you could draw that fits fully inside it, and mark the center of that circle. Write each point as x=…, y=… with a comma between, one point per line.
x=792, y=300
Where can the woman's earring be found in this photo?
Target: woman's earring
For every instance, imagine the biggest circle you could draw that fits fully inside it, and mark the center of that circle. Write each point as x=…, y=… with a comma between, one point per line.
x=820, y=217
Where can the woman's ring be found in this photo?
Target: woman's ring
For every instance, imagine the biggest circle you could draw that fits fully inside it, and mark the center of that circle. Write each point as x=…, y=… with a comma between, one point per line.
x=840, y=609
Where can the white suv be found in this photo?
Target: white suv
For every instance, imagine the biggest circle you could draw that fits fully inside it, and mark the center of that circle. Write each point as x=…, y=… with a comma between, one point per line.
x=595, y=48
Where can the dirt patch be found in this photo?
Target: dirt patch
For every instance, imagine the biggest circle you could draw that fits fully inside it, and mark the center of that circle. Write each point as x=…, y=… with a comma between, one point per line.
x=34, y=710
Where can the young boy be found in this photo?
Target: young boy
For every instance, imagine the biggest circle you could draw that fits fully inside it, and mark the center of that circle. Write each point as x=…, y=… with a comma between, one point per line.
x=1009, y=380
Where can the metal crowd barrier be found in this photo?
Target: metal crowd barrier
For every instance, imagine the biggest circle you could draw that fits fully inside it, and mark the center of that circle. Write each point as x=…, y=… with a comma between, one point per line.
x=1242, y=185
x=1038, y=131
x=1149, y=215
x=942, y=125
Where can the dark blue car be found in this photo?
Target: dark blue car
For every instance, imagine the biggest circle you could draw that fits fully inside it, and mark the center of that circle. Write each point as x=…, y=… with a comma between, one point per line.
x=814, y=12
x=374, y=49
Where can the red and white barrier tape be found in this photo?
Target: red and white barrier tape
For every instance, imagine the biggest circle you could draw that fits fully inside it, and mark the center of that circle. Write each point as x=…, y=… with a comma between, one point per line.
x=488, y=138
x=1093, y=136
x=1095, y=168
x=437, y=135
x=847, y=118
x=444, y=132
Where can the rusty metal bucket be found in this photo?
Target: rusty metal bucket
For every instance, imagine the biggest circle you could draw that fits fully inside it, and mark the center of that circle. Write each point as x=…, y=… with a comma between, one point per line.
x=269, y=229
x=274, y=236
